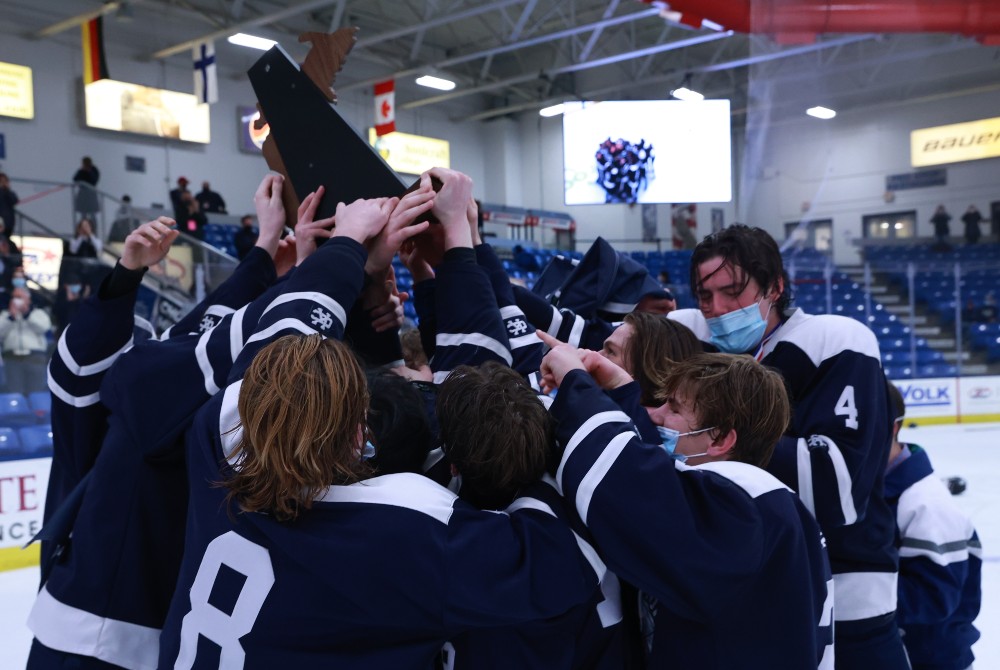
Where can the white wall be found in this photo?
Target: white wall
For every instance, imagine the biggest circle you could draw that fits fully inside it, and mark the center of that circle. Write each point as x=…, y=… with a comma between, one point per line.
x=839, y=167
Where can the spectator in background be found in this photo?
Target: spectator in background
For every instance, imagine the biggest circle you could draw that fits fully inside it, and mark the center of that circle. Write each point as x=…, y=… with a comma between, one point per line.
x=941, y=229
x=192, y=221
x=23, y=341
x=125, y=221
x=85, y=244
x=940, y=558
x=177, y=199
x=210, y=201
x=7, y=201
x=971, y=219
x=71, y=293
x=85, y=182
x=245, y=238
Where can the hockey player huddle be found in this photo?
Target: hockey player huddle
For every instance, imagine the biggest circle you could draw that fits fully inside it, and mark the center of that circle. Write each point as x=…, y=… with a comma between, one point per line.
x=266, y=485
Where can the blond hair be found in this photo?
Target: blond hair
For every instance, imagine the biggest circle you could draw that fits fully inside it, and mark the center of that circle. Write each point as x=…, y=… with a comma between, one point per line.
x=302, y=407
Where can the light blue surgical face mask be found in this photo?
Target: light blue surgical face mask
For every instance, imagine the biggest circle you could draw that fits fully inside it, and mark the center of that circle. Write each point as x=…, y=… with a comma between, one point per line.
x=738, y=331
x=669, y=437
x=368, y=451
x=19, y=282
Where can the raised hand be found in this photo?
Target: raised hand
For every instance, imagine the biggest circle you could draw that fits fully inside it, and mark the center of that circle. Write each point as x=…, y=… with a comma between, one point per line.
x=560, y=360
x=270, y=212
x=450, y=205
x=308, y=231
x=149, y=243
x=472, y=216
x=399, y=229
x=363, y=219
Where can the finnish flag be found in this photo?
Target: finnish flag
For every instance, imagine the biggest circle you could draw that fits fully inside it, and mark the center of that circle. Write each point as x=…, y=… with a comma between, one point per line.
x=206, y=83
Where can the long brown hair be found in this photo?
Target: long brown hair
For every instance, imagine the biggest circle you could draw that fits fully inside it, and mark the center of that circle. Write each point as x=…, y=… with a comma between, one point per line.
x=655, y=344
x=302, y=407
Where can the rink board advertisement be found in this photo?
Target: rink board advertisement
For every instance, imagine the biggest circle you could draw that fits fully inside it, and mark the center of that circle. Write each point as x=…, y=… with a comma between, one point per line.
x=22, y=499
x=951, y=400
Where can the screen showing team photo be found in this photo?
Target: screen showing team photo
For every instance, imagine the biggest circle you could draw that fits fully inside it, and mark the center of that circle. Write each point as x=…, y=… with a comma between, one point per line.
x=647, y=151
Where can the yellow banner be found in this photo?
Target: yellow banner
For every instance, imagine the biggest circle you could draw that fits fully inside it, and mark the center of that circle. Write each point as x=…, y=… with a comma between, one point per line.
x=956, y=142
x=17, y=96
x=411, y=154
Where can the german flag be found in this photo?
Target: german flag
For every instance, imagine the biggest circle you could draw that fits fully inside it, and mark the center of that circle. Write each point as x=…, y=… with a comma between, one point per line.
x=95, y=65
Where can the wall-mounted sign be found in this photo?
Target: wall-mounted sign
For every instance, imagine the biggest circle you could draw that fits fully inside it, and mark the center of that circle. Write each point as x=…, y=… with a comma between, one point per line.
x=251, y=139
x=922, y=179
x=135, y=164
x=956, y=142
x=17, y=96
x=411, y=154
x=116, y=105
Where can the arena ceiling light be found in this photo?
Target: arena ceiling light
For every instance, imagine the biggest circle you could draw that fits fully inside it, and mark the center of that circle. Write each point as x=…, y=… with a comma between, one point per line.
x=685, y=93
x=436, y=82
x=554, y=110
x=821, y=112
x=252, y=41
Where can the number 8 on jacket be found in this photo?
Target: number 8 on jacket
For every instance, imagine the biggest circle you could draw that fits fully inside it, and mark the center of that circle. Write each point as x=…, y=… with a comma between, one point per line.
x=253, y=562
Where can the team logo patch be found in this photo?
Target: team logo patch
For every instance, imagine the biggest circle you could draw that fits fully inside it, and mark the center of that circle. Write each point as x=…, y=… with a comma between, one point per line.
x=322, y=319
x=208, y=322
x=516, y=326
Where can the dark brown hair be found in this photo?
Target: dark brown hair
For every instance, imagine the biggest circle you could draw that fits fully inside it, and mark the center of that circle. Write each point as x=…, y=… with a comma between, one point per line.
x=733, y=392
x=302, y=408
x=753, y=251
x=656, y=342
x=495, y=431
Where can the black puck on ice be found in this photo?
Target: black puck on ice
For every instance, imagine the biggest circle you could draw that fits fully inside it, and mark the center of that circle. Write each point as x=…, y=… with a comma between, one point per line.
x=956, y=485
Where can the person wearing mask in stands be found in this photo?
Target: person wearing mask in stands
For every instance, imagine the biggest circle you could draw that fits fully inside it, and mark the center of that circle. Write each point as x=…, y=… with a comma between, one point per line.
x=23, y=342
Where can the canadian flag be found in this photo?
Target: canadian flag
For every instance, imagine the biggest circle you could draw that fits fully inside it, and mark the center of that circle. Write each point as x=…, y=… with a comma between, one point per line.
x=385, y=107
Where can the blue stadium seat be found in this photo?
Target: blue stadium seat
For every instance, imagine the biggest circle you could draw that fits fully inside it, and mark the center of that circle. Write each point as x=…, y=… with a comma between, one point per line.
x=40, y=403
x=36, y=441
x=10, y=445
x=15, y=411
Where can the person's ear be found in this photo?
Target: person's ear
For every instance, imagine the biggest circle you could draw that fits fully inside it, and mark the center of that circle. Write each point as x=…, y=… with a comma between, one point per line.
x=722, y=444
x=777, y=289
